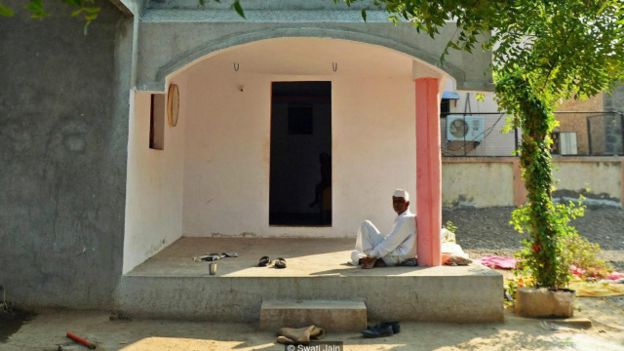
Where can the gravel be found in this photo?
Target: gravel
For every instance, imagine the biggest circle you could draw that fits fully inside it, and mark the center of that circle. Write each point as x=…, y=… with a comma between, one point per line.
x=486, y=231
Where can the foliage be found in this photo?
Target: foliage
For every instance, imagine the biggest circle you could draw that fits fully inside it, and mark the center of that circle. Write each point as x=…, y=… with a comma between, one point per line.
x=451, y=226
x=582, y=255
x=87, y=10
x=571, y=249
x=545, y=257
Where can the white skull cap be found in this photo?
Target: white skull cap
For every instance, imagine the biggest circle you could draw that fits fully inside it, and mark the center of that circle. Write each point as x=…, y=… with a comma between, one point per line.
x=401, y=193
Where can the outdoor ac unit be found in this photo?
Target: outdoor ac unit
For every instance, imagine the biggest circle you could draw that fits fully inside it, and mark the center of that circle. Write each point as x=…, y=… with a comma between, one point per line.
x=465, y=128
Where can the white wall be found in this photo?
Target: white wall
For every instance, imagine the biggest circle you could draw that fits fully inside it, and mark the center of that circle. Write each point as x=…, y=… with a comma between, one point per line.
x=226, y=167
x=154, y=185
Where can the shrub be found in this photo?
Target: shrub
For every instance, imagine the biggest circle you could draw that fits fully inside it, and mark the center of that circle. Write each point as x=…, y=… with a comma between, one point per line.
x=570, y=248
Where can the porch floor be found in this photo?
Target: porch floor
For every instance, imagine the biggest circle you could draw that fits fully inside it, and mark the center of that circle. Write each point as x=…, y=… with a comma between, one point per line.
x=172, y=285
x=304, y=257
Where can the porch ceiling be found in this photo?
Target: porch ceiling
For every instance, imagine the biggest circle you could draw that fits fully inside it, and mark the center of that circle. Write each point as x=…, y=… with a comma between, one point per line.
x=313, y=56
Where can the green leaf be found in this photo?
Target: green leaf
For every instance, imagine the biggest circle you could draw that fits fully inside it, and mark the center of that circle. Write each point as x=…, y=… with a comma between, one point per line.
x=92, y=10
x=364, y=14
x=75, y=3
x=238, y=8
x=35, y=7
x=85, y=29
x=6, y=11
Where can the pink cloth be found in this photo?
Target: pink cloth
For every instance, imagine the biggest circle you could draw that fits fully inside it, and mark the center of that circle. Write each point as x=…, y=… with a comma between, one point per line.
x=615, y=276
x=499, y=262
x=577, y=271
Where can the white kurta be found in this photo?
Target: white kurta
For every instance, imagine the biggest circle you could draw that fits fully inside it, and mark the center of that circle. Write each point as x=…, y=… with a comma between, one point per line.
x=393, y=248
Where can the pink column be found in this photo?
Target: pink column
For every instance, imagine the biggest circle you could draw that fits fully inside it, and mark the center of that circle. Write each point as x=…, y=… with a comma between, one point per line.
x=428, y=171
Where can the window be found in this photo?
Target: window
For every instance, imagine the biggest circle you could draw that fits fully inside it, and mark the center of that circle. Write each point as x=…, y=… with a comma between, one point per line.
x=445, y=107
x=157, y=122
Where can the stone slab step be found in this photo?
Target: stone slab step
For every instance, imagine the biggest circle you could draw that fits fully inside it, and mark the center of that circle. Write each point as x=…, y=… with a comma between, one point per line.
x=329, y=314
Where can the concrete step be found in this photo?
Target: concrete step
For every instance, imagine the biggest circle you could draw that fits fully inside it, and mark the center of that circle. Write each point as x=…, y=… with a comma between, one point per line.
x=462, y=294
x=329, y=314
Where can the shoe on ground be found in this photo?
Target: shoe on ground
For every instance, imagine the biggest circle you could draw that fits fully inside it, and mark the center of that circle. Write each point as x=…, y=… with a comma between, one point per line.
x=377, y=331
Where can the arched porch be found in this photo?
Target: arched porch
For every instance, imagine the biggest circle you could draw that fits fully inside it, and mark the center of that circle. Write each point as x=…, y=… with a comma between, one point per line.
x=209, y=189
x=212, y=176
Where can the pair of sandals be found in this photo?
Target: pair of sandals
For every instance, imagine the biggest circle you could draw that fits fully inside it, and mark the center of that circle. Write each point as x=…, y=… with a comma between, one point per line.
x=279, y=262
x=382, y=329
x=216, y=256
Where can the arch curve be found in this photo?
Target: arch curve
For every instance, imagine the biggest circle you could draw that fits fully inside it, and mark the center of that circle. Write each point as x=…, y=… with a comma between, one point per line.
x=156, y=80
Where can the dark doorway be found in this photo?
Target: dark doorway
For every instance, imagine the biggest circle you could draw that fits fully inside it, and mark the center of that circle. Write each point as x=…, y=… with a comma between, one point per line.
x=300, y=191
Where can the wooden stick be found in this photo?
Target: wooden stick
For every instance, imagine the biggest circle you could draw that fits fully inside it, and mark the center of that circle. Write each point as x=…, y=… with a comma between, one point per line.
x=81, y=341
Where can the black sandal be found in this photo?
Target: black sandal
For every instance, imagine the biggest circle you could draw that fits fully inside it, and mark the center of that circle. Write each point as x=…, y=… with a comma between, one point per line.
x=264, y=261
x=209, y=258
x=279, y=263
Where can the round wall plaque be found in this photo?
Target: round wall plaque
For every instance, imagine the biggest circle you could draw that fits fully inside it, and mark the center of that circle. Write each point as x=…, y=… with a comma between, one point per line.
x=173, y=104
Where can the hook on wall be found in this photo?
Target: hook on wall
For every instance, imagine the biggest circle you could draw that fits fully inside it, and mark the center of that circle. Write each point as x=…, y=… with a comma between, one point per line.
x=334, y=66
x=236, y=66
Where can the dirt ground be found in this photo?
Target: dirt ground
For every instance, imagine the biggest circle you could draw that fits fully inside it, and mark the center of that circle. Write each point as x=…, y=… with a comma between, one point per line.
x=48, y=329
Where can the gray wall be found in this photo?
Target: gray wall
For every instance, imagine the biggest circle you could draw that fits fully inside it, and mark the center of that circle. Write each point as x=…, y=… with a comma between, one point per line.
x=63, y=142
x=614, y=100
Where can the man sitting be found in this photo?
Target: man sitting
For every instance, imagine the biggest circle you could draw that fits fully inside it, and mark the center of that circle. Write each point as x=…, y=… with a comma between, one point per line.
x=372, y=247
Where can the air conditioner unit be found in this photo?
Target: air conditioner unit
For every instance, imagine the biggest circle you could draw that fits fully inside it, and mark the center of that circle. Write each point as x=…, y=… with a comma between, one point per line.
x=465, y=128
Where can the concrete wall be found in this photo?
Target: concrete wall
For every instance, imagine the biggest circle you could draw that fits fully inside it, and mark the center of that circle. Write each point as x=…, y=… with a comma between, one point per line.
x=63, y=136
x=486, y=182
x=477, y=184
x=600, y=182
x=154, y=187
x=614, y=101
x=226, y=174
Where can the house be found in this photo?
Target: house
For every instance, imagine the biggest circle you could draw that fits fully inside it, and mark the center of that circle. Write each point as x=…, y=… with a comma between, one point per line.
x=171, y=120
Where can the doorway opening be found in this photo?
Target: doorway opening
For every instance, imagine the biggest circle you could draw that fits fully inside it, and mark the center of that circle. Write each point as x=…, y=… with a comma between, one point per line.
x=300, y=185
